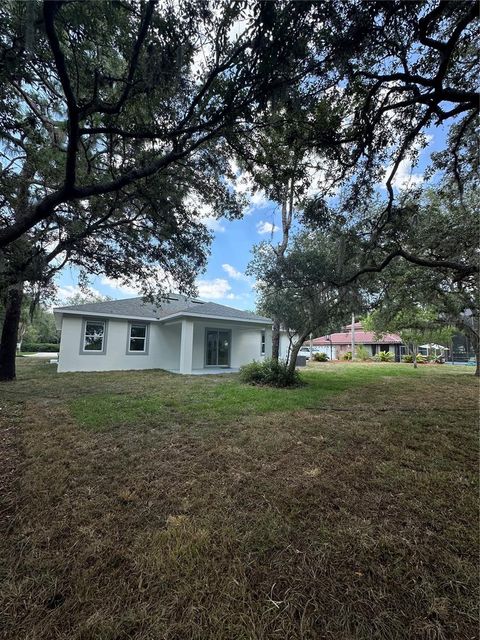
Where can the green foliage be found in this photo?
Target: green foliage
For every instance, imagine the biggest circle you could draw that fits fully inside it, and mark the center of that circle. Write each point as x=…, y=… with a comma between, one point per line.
x=38, y=347
x=421, y=359
x=347, y=355
x=384, y=356
x=269, y=372
x=86, y=296
x=428, y=305
x=362, y=353
x=320, y=357
x=300, y=290
x=41, y=328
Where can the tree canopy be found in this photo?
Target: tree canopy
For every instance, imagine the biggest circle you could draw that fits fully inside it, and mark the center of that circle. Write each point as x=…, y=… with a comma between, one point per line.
x=298, y=288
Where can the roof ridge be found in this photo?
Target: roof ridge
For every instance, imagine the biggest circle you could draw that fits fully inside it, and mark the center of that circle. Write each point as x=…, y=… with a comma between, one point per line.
x=226, y=306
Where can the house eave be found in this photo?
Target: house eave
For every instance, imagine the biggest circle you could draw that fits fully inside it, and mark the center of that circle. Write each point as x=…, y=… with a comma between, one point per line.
x=173, y=316
x=200, y=316
x=97, y=314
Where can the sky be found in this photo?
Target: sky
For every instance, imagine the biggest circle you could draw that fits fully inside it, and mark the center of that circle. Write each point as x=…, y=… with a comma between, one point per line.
x=224, y=280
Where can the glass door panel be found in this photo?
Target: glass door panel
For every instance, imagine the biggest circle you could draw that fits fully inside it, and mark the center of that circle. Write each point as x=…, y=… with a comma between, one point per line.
x=211, y=348
x=223, y=348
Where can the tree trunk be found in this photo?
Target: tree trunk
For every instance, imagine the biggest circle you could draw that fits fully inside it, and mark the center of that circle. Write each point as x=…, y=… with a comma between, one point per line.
x=353, y=337
x=287, y=214
x=8, y=341
x=295, y=348
x=276, y=340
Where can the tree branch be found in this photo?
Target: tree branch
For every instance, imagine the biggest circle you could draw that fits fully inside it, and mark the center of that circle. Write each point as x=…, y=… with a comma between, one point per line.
x=50, y=9
x=463, y=270
x=47, y=205
x=93, y=106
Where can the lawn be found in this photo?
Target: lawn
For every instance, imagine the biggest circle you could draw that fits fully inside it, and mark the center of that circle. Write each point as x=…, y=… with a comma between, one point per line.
x=151, y=506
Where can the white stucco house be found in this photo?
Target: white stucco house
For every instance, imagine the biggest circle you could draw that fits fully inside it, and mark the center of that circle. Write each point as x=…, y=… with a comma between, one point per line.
x=182, y=335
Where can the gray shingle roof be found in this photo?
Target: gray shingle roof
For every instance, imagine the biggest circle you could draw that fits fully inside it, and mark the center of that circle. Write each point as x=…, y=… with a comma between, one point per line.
x=176, y=304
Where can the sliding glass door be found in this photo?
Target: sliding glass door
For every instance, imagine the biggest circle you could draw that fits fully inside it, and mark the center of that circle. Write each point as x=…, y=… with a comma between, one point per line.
x=217, y=347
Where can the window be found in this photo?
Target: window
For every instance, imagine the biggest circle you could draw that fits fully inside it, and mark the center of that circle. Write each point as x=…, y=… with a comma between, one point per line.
x=262, y=343
x=94, y=336
x=137, y=338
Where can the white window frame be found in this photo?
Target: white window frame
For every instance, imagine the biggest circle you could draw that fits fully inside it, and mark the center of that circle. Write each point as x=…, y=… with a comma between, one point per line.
x=95, y=352
x=263, y=342
x=144, y=325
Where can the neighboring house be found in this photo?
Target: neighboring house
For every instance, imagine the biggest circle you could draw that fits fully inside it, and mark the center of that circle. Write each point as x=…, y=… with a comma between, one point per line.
x=181, y=334
x=336, y=345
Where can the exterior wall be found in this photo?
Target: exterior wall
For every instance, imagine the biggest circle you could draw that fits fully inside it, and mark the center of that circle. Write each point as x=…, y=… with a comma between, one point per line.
x=284, y=345
x=163, y=347
x=323, y=349
x=245, y=342
x=340, y=349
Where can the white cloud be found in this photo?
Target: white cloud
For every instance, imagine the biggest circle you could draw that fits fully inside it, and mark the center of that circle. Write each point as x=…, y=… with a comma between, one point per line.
x=216, y=289
x=120, y=286
x=204, y=213
x=159, y=278
x=212, y=223
x=244, y=185
x=69, y=290
x=234, y=273
x=404, y=175
x=266, y=227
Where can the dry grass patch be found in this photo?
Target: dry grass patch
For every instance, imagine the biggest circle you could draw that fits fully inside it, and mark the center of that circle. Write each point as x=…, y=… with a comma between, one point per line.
x=307, y=523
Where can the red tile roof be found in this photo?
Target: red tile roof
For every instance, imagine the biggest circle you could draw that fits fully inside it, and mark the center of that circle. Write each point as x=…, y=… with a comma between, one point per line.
x=361, y=337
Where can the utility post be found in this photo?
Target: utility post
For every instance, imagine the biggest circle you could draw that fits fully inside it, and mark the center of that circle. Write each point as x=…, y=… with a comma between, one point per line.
x=353, y=336
x=311, y=347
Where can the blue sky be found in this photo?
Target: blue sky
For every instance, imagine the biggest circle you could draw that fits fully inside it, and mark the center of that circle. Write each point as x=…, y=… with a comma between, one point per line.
x=224, y=280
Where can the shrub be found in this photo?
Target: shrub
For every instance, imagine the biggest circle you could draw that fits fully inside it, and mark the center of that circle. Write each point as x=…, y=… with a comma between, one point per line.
x=362, y=353
x=421, y=359
x=347, y=355
x=36, y=347
x=385, y=356
x=269, y=372
x=320, y=357
x=407, y=358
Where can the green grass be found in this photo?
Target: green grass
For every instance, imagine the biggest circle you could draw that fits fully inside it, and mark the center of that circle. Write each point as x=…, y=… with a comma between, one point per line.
x=223, y=398
x=143, y=505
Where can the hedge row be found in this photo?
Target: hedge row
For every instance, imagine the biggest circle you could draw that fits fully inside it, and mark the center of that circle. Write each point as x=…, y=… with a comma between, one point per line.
x=37, y=347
